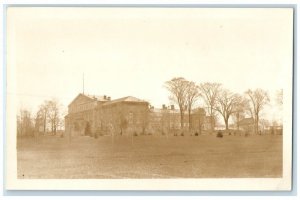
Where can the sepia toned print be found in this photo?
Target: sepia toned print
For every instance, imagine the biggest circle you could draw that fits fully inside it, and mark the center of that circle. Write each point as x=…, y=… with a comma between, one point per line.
x=155, y=94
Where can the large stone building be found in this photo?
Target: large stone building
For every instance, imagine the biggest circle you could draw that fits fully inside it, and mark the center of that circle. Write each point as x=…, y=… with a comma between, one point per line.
x=90, y=115
x=124, y=116
x=167, y=120
x=100, y=115
x=82, y=114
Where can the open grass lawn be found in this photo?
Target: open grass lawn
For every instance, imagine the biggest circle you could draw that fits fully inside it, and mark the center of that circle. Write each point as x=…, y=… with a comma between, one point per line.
x=205, y=156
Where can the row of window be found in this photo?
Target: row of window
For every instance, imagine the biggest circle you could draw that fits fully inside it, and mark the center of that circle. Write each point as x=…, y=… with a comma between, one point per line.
x=83, y=107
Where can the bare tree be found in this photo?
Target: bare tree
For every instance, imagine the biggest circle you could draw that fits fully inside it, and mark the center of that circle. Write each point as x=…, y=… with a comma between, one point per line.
x=114, y=119
x=38, y=121
x=225, y=104
x=240, y=109
x=121, y=121
x=192, y=95
x=49, y=115
x=53, y=114
x=264, y=123
x=209, y=93
x=61, y=123
x=198, y=119
x=178, y=90
x=43, y=114
x=144, y=118
x=25, y=126
x=165, y=121
x=258, y=99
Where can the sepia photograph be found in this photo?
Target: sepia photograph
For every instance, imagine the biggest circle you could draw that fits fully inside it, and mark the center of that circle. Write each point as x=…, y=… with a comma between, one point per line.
x=157, y=98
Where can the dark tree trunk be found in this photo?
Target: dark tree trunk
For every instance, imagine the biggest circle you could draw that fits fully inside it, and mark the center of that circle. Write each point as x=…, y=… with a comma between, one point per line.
x=238, y=121
x=54, y=126
x=256, y=123
x=181, y=118
x=45, y=119
x=211, y=120
x=200, y=126
x=190, y=123
x=226, y=123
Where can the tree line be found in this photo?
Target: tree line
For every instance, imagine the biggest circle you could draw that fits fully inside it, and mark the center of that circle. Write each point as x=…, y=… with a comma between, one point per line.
x=218, y=100
x=48, y=118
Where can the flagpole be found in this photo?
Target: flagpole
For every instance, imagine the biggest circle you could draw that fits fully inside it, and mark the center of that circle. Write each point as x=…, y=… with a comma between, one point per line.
x=83, y=83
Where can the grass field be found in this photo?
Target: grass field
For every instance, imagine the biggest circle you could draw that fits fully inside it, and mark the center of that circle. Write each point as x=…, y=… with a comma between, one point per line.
x=205, y=156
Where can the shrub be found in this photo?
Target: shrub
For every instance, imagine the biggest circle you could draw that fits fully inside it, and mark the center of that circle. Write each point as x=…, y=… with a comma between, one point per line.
x=98, y=133
x=182, y=134
x=135, y=134
x=220, y=134
x=87, y=130
x=196, y=134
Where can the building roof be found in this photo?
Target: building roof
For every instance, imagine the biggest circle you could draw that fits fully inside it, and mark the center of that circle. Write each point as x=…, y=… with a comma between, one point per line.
x=175, y=110
x=199, y=110
x=98, y=98
x=91, y=97
x=125, y=99
x=161, y=110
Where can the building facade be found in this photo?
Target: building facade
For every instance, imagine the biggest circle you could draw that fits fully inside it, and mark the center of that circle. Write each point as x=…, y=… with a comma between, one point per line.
x=168, y=120
x=81, y=116
x=100, y=115
x=246, y=125
x=124, y=116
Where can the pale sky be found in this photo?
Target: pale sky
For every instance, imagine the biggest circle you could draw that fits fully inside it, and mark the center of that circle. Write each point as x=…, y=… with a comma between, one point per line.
x=133, y=51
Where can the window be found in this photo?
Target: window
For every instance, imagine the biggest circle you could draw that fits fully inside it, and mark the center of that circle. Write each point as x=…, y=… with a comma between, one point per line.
x=130, y=118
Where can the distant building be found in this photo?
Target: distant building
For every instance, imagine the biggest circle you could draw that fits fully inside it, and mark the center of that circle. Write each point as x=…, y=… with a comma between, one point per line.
x=167, y=120
x=90, y=115
x=100, y=115
x=247, y=125
x=275, y=129
x=39, y=125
